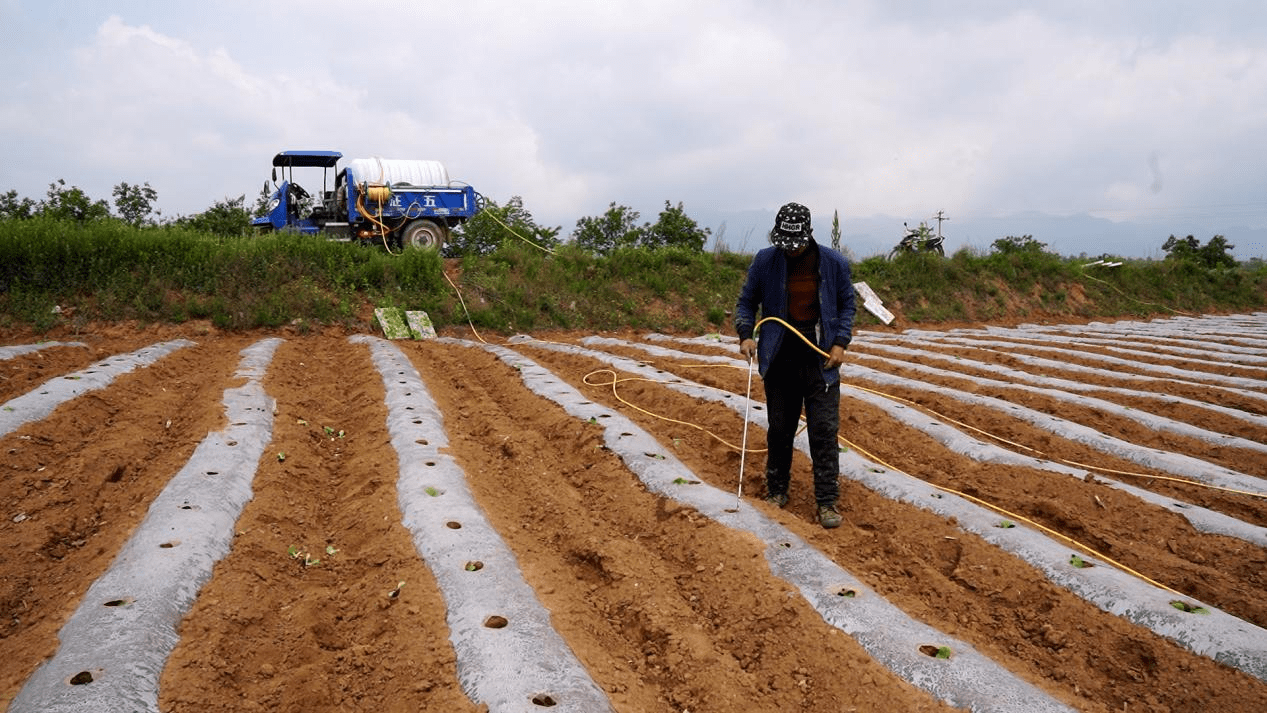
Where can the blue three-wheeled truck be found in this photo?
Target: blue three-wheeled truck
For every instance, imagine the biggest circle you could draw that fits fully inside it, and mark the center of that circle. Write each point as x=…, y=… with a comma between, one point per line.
x=395, y=203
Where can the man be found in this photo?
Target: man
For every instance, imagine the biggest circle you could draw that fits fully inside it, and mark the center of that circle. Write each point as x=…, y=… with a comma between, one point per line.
x=810, y=287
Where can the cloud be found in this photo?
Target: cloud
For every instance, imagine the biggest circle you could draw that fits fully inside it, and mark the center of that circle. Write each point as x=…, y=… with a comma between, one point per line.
x=1139, y=111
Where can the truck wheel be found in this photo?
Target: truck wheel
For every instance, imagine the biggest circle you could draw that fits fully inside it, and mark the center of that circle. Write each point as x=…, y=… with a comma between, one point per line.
x=423, y=234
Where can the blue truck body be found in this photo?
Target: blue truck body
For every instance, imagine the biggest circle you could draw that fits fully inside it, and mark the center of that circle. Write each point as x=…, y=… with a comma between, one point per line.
x=392, y=202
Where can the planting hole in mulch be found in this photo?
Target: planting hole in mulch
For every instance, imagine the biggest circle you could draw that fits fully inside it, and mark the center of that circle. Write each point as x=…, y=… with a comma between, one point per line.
x=1189, y=607
x=560, y=498
x=937, y=652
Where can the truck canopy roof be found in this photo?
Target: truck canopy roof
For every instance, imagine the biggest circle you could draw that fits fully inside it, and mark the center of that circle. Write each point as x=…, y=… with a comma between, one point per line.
x=307, y=159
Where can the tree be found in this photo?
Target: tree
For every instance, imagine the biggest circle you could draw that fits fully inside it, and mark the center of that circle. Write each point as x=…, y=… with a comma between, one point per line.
x=493, y=225
x=262, y=201
x=14, y=208
x=1013, y=244
x=617, y=228
x=835, y=230
x=72, y=204
x=228, y=217
x=675, y=228
x=134, y=203
x=1181, y=248
x=1214, y=254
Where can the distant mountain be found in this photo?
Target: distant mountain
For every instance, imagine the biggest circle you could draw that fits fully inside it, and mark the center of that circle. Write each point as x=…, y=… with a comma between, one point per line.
x=1071, y=236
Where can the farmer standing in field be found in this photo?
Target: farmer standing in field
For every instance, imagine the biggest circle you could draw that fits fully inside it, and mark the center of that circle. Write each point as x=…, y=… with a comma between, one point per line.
x=809, y=287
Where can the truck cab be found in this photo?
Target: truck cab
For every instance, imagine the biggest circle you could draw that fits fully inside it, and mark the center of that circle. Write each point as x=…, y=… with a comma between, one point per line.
x=292, y=207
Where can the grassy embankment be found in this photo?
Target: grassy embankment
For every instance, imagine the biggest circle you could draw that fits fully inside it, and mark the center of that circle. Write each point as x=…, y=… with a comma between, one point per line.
x=65, y=276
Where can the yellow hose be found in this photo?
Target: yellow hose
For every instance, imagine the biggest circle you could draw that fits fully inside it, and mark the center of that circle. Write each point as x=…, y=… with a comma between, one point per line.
x=615, y=380
x=1013, y=443
x=379, y=194
x=1081, y=546
x=375, y=219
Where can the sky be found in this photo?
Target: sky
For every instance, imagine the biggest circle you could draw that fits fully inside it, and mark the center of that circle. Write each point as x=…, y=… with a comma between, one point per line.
x=1096, y=126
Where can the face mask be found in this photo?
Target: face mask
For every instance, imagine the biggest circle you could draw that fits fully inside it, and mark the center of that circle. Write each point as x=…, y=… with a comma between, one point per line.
x=791, y=243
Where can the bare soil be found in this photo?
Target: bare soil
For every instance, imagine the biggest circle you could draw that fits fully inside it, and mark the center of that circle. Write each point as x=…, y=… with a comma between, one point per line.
x=668, y=611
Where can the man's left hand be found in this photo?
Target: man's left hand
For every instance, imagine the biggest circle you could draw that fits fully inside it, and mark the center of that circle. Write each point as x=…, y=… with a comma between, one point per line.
x=837, y=357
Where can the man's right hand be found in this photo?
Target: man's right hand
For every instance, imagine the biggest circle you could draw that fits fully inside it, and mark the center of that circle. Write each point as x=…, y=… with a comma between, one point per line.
x=748, y=348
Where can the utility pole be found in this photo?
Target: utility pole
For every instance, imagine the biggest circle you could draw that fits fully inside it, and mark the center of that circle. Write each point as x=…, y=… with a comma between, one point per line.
x=940, y=217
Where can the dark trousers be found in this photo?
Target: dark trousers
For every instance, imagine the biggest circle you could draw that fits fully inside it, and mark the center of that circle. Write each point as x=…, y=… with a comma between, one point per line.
x=794, y=382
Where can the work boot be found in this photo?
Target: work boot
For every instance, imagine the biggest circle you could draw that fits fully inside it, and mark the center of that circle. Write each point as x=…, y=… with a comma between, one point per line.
x=778, y=500
x=828, y=517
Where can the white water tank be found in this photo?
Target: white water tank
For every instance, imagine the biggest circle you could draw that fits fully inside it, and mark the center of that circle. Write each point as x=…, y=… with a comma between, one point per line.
x=398, y=172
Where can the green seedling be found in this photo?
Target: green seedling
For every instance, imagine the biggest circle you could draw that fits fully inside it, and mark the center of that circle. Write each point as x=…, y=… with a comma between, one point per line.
x=431, y=491
x=1005, y=524
x=395, y=592
x=281, y=456
x=302, y=422
x=1078, y=562
x=684, y=481
x=329, y=431
x=296, y=553
x=943, y=652
x=593, y=420
x=330, y=550
x=1189, y=608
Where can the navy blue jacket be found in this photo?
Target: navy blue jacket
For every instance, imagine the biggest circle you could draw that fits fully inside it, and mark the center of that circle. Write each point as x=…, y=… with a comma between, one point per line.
x=766, y=289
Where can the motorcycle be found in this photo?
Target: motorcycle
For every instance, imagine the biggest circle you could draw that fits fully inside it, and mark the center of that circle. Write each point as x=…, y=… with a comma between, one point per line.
x=918, y=240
